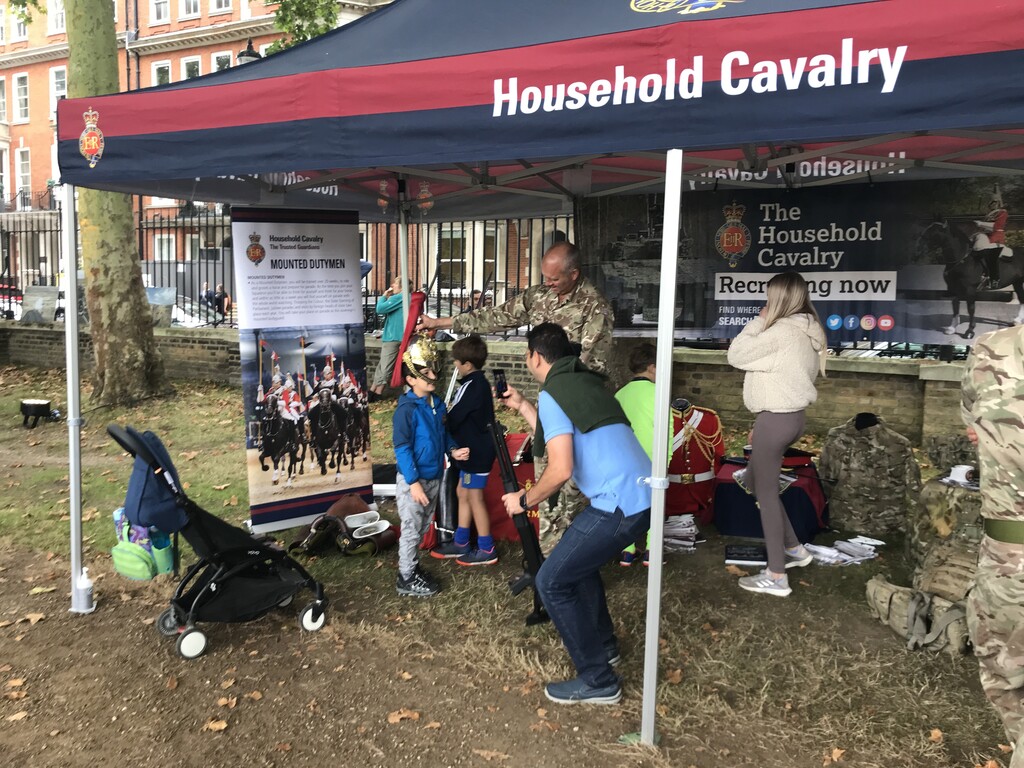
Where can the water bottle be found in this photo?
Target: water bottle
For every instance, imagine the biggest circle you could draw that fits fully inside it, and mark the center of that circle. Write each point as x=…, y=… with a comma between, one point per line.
x=85, y=590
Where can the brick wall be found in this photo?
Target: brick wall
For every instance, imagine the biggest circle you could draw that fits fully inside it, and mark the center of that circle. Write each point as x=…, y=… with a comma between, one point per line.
x=919, y=399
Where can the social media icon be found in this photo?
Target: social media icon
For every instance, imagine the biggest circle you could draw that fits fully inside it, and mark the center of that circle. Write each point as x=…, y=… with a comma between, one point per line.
x=886, y=323
x=868, y=322
x=834, y=322
x=851, y=322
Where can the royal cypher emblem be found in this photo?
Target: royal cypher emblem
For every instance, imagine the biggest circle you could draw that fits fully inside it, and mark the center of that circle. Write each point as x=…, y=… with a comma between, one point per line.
x=682, y=6
x=90, y=143
x=255, y=252
x=732, y=240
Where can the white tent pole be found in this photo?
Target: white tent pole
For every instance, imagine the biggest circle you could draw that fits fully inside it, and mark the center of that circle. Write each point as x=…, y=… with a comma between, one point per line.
x=81, y=599
x=662, y=395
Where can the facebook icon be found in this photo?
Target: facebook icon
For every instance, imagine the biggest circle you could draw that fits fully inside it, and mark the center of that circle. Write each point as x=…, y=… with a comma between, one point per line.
x=851, y=322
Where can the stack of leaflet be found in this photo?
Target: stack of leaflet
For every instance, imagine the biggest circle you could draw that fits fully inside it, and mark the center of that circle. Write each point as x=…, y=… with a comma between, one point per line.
x=681, y=534
x=849, y=552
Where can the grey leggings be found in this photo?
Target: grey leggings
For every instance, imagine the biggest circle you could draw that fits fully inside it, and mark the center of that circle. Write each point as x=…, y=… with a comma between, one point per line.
x=773, y=433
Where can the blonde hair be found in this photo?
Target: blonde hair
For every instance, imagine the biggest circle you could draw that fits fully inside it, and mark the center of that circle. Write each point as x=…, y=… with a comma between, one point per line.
x=789, y=295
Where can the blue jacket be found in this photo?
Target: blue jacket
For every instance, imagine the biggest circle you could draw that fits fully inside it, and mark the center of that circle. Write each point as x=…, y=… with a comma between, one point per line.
x=390, y=309
x=421, y=440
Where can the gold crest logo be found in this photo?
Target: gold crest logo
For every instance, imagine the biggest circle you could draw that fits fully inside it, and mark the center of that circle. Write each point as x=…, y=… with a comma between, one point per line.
x=680, y=6
x=90, y=143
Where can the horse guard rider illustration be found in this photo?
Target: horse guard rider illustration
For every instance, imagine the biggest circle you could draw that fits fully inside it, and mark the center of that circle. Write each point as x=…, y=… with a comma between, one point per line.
x=989, y=242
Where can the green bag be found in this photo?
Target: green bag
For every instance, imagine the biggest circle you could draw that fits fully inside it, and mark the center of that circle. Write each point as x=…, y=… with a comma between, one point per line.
x=133, y=561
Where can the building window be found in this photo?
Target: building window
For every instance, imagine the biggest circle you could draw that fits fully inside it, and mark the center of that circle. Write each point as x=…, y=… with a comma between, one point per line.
x=220, y=6
x=163, y=247
x=159, y=11
x=23, y=171
x=3, y=24
x=189, y=9
x=220, y=61
x=3, y=99
x=161, y=72
x=5, y=183
x=58, y=87
x=55, y=24
x=193, y=248
x=191, y=67
x=451, y=244
x=21, y=98
x=19, y=28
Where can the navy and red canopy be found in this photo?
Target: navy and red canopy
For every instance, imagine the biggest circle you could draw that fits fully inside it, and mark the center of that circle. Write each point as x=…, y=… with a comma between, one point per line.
x=513, y=108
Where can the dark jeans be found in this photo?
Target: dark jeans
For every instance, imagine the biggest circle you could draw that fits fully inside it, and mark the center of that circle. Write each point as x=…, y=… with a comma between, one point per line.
x=569, y=583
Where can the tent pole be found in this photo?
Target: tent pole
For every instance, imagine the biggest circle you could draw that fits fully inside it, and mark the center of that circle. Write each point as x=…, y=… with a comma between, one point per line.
x=662, y=395
x=403, y=251
x=81, y=599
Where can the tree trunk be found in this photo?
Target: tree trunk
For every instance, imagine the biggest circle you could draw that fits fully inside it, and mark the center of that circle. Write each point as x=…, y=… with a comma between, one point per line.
x=128, y=364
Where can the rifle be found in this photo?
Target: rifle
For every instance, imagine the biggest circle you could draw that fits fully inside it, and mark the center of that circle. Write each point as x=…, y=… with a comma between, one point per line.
x=532, y=556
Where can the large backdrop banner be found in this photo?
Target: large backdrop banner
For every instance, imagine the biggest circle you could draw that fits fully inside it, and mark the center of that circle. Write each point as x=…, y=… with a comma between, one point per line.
x=303, y=362
x=898, y=262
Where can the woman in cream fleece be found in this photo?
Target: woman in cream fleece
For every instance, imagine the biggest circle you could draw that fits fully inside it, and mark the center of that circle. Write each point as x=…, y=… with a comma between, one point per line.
x=782, y=351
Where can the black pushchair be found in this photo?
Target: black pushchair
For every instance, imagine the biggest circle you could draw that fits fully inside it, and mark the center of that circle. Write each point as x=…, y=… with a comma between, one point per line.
x=238, y=577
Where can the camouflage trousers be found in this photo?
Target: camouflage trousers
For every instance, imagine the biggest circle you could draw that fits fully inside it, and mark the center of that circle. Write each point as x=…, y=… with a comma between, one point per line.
x=995, y=620
x=557, y=512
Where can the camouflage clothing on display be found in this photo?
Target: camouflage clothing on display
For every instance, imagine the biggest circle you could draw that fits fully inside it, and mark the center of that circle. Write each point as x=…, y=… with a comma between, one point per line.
x=870, y=476
x=942, y=510
x=584, y=314
x=993, y=405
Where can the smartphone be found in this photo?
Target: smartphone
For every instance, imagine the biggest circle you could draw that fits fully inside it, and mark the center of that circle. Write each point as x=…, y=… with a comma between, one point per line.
x=500, y=384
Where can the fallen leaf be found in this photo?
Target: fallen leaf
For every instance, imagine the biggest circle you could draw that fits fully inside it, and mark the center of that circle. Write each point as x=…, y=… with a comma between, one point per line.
x=490, y=754
x=735, y=570
x=405, y=675
x=221, y=487
x=5, y=667
x=35, y=618
x=227, y=701
x=662, y=710
x=432, y=724
x=284, y=746
x=227, y=683
x=935, y=736
x=41, y=590
x=149, y=622
x=15, y=695
x=542, y=713
x=214, y=725
x=172, y=683
x=15, y=683
x=803, y=583
x=675, y=676
x=402, y=714
x=5, y=624
x=1004, y=748
x=255, y=695
x=18, y=716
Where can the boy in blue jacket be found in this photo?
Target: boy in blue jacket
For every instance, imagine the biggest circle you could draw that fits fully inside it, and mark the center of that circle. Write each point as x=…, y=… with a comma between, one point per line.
x=421, y=441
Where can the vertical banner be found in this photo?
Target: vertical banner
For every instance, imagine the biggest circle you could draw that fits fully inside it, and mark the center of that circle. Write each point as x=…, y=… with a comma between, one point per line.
x=303, y=362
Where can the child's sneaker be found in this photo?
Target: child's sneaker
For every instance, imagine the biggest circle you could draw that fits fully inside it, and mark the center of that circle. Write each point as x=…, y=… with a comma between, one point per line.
x=578, y=692
x=626, y=558
x=799, y=558
x=448, y=550
x=647, y=558
x=417, y=585
x=478, y=557
x=765, y=583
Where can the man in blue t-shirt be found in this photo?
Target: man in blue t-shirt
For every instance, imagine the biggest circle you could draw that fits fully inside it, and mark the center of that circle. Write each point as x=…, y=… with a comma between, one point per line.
x=584, y=434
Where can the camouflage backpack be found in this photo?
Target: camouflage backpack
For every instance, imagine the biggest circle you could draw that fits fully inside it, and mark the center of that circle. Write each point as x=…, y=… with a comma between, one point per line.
x=927, y=621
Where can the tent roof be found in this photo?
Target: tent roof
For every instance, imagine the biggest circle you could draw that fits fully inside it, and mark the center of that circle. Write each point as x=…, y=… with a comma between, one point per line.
x=760, y=93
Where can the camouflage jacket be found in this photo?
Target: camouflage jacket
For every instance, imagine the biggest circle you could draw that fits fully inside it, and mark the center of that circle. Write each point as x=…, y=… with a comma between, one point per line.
x=585, y=315
x=992, y=402
x=871, y=477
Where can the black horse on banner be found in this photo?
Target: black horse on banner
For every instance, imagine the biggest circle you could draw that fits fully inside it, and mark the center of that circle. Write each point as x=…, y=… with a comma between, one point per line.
x=327, y=428
x=279, y=438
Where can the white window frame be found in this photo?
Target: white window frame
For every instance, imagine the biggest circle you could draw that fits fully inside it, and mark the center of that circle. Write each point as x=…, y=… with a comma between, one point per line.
x=197, y=60
x=184, y=13
x=19, y=28
x=158, y=65
x=56, y=20
x=3, y=23
x=193, y=246
x=18, y=117
x=219, y=55
x=265, y=49
x=154, y=19
x=164, y=246
x=220, y=6
x=162, y=202
x=54, y=95
x=3, y=99
x=5, y=181
x=22, y=203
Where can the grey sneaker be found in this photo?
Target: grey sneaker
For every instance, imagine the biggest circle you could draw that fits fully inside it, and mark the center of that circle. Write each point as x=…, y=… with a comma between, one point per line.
x=740, y=478
x=762, y=582
x=798, y=559
x=416, y=586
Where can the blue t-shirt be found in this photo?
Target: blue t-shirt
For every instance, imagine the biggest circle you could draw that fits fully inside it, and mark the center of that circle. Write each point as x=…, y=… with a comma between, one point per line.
x=606, y=462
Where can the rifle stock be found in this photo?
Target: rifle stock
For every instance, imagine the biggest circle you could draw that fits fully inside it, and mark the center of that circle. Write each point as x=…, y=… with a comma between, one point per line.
x=533, y=558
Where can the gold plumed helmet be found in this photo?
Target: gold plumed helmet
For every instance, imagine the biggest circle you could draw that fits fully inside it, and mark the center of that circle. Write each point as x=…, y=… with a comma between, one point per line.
x=420, y=354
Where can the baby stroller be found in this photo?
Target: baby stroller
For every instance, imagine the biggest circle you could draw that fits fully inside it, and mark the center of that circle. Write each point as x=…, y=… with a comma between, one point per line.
x=238, y=577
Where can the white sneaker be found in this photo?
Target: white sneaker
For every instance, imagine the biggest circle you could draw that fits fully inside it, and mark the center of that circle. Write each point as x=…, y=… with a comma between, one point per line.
x=763, y=582
x=800, y=559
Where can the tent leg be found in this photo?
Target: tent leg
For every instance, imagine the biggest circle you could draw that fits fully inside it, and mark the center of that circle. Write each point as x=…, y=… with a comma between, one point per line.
x=662, y=395
x=81, y=598
x=403, y=251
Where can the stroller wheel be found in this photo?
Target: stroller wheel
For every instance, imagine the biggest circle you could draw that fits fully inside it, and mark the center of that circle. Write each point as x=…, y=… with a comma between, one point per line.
x=286, y=602
x=191, y=643
x=306, y=620
x=167, y=623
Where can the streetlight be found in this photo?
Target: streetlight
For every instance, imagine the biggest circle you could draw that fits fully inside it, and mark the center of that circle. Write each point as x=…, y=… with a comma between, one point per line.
x=248, y=54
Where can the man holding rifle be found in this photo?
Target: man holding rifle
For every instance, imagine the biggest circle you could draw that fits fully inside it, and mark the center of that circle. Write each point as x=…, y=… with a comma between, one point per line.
x=582, y=431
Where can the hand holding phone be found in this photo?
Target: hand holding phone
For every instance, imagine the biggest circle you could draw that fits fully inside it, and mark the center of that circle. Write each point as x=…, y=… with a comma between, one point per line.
x=500, y=384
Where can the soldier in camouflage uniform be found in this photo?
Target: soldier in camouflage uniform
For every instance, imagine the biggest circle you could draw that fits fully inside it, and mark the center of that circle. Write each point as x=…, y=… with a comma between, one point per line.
x=570, y=300
x=993, y=409
x=870, y=476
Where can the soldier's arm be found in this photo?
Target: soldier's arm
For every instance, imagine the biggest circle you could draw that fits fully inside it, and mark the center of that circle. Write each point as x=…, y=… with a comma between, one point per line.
x=596, y=340
x=512, y=314
x=976, y=360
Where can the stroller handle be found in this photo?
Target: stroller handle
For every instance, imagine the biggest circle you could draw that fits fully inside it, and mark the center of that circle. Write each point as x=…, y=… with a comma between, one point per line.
x=131, y=444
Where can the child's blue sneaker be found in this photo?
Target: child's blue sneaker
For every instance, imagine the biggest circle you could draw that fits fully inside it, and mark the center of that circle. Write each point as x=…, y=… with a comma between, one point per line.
x=578, y=692
x=448, y=550
x=478, y=557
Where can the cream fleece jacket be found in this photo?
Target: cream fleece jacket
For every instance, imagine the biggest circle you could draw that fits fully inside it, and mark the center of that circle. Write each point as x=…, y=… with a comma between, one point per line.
x=781, y=363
